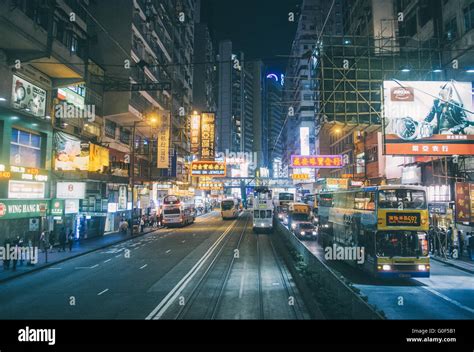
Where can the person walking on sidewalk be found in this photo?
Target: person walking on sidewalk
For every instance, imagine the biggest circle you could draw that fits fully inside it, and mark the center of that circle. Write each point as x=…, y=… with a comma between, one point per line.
x=62, y=240
x=470, y=247
x=6, y=260
x=52, y=240
x=70, y=240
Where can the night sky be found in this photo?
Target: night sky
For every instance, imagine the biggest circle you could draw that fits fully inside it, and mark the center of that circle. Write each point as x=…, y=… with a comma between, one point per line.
x=259, y=28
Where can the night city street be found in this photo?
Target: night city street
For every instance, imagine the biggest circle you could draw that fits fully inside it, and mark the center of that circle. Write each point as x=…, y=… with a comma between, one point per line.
x=306, y=163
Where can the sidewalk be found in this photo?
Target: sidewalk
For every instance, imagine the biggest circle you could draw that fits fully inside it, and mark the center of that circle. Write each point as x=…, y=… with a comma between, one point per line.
x=462, y=264
x=79, y=248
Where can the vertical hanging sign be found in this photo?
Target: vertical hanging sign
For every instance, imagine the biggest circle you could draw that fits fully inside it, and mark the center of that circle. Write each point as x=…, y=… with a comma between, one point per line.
x=208, y=130
x=163, y=142
x=195, y=133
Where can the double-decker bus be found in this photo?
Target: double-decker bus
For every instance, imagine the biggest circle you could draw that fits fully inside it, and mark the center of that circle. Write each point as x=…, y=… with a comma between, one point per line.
x=230, y=208
x=263, y=209
x=390, y=224
x=177, y=211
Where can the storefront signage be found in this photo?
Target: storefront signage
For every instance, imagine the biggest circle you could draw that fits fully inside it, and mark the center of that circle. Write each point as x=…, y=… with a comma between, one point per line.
x=317, y=161
x=17, y=209
x=437, y=208
x=71, y=190
x=463, y=211
x=195, y=133
x=208, y=168
x=163, y=149
x=211, y=186
x=57, y=207
x=428, y=118
x=208, y=136
x=26, y=190
x=300, y=177
x=122, y=198
x=23, y=173
x=71, y=206
x=28, y=97
x=337, y=183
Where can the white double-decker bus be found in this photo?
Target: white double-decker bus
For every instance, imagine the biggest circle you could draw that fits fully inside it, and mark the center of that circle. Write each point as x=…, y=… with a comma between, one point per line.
x=177, y=211
x=263, y=209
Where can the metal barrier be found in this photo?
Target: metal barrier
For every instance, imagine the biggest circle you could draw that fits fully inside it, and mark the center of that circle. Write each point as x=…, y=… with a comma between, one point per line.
x=337, y=299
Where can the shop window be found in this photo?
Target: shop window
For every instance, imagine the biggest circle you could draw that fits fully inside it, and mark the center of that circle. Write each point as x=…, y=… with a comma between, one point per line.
x=468, y=12
x=25, y=149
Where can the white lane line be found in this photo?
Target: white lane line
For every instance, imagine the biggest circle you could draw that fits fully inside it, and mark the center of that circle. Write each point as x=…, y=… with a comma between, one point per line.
x=54, y=268
x=242, y=281
x=108, y=260
x=95, y=266
x=144, y=266
x=446, y=298
x=101, y=293
x=183, y=241
x=169, y=250
x=119, y=255
x=163, y=306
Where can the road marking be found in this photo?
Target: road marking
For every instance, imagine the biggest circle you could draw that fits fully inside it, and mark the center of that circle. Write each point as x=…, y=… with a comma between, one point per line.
x=183, y=241
x=242, y=281
x=446, y=298
x=194, y=235
x=54, y=268
x=163, y=306
x=95, y=266
x=169, y=250
x=108, y=260
x=119, y=255
x=144, y=266
x=101, y=293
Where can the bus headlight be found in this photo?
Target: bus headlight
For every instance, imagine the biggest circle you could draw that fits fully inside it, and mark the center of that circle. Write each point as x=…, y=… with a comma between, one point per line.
x=386, y=267
x=280, y=216
x=314, y=233
x=293, y=226
x=302, y=233
x=422, y=267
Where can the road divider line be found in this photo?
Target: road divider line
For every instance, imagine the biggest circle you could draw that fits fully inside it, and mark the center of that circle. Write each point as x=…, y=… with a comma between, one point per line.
x=101, y=293
x=95, y=266
x=169, y=250
x=144, y=266
x=108, y=260
x=165, y=303
x=446, y=298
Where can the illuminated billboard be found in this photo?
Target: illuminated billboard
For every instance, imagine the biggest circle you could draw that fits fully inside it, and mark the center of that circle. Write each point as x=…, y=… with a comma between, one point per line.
x=428, y=118
x=317, y=161
x=208, y=136
x=195, y=133
x=304, y=141
x=208, y=168
x=163, y=149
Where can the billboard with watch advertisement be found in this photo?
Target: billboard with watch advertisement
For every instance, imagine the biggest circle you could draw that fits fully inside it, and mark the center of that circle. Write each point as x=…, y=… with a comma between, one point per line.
x=428, y=118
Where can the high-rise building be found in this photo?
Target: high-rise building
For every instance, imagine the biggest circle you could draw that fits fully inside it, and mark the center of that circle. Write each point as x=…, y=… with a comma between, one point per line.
x=235, y=101
x=299, y=99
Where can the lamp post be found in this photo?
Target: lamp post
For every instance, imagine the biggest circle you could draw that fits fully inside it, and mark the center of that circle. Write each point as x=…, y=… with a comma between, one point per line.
x=152, y=119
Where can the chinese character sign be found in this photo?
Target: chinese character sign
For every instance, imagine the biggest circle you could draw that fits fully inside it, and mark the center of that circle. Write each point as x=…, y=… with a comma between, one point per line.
x=428, y=118
x=195, y=133
x=463, y=212
x=208, y=130
x=208, y=168
x=163, y=142
x=317, y=161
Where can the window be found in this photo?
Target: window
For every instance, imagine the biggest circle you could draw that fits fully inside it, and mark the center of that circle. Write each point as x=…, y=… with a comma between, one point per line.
x=451, y=29
x=110, y=129
x=402, y=199
x=25, y=149
x=468, y=12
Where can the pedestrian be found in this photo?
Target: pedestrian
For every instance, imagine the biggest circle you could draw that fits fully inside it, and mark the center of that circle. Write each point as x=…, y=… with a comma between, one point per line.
x=142, y=224
x=62, y=240
x=52, y=240
x=461, y=244
x=70, y=240
x=42, y=241
x=6, y=259
x=470, y=246
x=16, y=251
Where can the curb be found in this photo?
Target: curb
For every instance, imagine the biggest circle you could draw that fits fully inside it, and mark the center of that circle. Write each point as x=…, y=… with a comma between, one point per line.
x=49, y=264
x=453, y=265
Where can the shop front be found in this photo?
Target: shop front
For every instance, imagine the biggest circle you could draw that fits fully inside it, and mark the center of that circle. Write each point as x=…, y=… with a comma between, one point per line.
x=23, y=217
x=117, y=207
